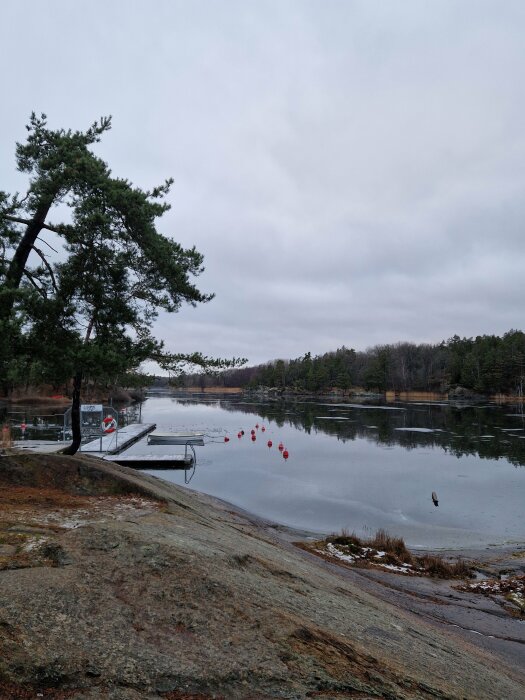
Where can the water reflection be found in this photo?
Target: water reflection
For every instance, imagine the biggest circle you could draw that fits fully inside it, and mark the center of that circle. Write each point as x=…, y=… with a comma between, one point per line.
x=488, y=431
x=361, y=466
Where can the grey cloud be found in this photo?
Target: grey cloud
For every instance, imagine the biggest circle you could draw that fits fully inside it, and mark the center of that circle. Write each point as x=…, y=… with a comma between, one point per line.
x=352, y=171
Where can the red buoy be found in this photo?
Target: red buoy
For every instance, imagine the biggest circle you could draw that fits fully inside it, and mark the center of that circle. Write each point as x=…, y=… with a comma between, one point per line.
x=239, y=435
x=269, y=443
x=253, y=432
x=254, y=438
x=263, y=428
x=285, y=454
x=257, y=426
x=226, y=439
x=281, y=447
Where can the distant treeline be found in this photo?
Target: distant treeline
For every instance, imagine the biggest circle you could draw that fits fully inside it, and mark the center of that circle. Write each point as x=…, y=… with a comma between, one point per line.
x=486, y=364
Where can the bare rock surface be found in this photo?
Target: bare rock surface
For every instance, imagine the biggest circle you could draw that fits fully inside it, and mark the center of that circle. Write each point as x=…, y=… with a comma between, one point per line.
x=117, y=585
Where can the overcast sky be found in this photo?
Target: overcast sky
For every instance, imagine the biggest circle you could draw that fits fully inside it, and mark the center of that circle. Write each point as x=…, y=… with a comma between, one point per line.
x=353, y=172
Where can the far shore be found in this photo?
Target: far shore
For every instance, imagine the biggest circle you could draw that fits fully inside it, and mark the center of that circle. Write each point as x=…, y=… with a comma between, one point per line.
x=35, y=395
x=352, y=394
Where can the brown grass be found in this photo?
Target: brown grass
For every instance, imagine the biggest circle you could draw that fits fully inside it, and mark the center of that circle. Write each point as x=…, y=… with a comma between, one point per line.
x=384, y=542
x=397, y=554
x=27, y=497
x=439, y=568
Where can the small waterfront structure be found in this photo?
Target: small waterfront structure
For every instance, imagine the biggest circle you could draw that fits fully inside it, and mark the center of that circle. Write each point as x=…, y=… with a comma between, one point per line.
x=159, y=438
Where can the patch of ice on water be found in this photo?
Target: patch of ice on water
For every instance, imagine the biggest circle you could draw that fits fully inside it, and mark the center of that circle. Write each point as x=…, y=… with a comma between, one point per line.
x=415, y=430
x=332, y=418
x=365, y=406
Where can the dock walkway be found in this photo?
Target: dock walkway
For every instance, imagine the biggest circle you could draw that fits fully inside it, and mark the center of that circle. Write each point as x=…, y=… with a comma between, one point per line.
x=109, y=447
x=119, y=440
x=153, y=461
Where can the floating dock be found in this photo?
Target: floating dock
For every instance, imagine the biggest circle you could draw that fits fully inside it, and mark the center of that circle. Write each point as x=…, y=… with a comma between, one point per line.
x=119, y=440
x=109, y=447
x=153, y=461
x=158, y=438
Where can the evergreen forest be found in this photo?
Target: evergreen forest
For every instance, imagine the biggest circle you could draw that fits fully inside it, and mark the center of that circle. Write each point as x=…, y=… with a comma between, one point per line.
x=487, y=364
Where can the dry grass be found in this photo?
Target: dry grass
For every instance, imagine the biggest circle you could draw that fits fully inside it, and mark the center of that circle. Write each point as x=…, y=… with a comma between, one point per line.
x=396, y=546
x=439, y=568
x=29, y=497
x=387, y=552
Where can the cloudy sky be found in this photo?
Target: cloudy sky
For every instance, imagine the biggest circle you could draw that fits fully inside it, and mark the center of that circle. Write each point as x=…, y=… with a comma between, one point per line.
x=353, y=171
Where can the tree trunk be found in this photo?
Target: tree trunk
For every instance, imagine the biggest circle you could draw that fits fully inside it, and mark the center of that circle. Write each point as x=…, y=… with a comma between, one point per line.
x=16, y=268
x=75, y=416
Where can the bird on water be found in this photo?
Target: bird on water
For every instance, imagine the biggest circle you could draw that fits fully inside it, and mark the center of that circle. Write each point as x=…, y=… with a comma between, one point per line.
x=435, y=498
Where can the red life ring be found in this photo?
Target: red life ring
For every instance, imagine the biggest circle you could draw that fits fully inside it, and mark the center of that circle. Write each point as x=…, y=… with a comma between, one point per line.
x=109, y=424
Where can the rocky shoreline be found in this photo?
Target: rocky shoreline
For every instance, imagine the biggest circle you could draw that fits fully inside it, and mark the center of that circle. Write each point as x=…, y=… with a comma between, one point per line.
x=115, y=584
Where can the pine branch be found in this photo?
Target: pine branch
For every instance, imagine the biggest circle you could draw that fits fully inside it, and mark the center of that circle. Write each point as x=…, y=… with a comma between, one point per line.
x=40, y=290
x=26, y=222
x=48, y=267
x=49, y=245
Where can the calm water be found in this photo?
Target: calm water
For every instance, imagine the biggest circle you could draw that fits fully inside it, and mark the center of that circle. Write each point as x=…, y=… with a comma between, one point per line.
x=353, y=466
x=361, y=467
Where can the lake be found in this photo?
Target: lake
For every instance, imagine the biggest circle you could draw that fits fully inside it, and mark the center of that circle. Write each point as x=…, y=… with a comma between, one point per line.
x=361, y=466
x=358, y=466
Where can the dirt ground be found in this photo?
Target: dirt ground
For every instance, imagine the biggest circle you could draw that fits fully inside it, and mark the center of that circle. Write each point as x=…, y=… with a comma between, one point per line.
x=117, y=585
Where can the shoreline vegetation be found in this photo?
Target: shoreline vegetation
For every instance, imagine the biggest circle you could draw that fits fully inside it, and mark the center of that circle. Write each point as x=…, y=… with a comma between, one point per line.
x=47, y=395
x=209, y=602
x=387, y=553
x=487, y=365
x=44, y=395
x=455, y=394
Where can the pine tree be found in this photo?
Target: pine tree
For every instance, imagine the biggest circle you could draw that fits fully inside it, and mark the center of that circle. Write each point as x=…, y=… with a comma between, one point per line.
x=91, y=312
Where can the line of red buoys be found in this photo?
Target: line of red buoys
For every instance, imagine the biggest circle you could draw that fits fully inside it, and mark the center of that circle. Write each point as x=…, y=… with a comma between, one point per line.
x=285, y=453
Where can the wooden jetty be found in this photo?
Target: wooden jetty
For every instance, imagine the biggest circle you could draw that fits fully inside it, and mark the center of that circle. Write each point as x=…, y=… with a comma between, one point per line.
x=110, y=448
x=105, y=444
x=119, y=440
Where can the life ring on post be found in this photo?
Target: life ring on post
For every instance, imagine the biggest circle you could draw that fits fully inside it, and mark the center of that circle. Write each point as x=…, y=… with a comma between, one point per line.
x=109, y=424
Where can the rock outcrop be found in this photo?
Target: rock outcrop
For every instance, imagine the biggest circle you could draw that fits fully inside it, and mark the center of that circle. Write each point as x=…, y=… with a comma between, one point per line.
x=118, y=585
